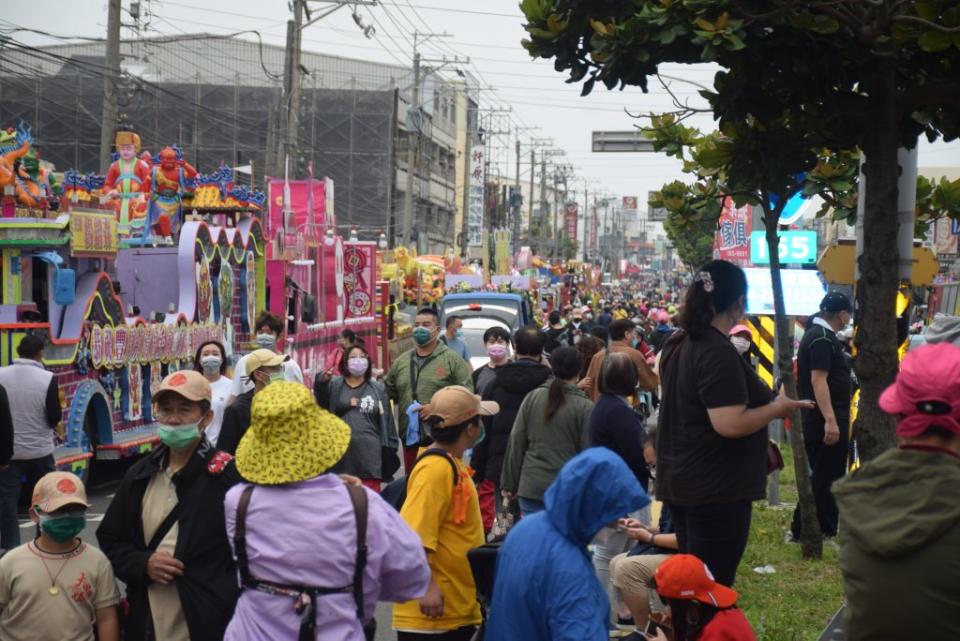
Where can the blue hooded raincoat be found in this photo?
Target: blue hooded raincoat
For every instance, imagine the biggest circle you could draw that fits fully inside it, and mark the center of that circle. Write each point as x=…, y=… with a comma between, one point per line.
x=545, y=587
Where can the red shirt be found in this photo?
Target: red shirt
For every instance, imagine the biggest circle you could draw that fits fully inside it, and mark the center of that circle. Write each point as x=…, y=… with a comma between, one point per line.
x=728, y=625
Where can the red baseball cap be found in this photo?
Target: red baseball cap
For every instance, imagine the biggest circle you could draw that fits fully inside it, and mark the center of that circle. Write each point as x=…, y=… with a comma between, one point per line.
x=687, y=578
x=927, y=390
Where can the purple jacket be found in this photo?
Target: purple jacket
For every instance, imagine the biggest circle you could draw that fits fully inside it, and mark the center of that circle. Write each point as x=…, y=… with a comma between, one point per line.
x=305, y=534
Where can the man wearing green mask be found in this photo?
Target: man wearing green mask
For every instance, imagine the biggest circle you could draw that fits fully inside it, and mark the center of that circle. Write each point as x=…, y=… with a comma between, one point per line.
x=54, y=586
x=164, y=530
x=268, y=334
x=417, y=374
x=265, y=367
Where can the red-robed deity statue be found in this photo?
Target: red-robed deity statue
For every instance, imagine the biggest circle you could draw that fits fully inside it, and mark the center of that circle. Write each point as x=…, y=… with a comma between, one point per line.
x=128, y=182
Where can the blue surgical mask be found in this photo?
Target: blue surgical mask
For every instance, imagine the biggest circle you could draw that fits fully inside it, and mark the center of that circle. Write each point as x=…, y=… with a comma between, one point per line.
x=266, y=341
x=459, y=334
x=211, y=364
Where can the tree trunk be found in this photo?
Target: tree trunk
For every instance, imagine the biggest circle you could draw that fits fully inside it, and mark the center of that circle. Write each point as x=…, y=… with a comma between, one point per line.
x=811, y=543
x=876, y=340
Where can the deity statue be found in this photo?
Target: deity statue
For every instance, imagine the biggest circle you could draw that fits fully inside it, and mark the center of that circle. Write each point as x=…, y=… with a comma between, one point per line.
x=36, y=185
x=128, y=182
x=169, y=177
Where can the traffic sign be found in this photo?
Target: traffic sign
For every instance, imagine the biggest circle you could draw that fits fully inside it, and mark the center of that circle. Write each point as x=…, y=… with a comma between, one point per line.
x=837, y=265
x=796, y=248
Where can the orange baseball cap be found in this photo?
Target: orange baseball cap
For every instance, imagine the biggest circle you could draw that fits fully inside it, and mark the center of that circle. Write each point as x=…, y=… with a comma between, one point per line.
x=58, y=489
x=456, y=404
x=187, y=383
x=687, y=578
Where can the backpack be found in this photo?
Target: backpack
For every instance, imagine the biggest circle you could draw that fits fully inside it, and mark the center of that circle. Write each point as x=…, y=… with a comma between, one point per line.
x=395, y=492
x=305, y=597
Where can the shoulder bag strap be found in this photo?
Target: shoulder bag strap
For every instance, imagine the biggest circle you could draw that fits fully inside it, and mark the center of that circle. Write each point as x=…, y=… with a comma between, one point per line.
x=165, y=526
x=359, y=500
x=414, y=374
x=240, y=536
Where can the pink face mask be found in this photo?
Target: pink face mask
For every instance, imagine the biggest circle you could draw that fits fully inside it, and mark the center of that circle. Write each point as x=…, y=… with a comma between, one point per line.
x=357, y=366
x=496, y=351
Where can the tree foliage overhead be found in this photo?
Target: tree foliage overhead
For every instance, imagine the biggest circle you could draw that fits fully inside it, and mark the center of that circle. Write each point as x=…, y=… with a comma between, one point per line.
x=623, y=42
x=797, y=77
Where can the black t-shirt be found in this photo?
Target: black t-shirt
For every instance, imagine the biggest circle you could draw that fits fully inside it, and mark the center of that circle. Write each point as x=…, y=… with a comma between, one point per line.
x=820, y=349
x=695, y=465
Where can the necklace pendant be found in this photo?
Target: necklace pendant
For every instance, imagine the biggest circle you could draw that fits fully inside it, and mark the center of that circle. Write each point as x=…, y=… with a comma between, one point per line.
x=54, y=590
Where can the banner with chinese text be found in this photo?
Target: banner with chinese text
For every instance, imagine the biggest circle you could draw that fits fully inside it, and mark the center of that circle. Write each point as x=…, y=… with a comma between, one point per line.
x=731, y=242
x=475, y=200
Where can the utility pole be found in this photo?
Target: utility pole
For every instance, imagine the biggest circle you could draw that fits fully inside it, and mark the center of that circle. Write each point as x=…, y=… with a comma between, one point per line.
x=292, y=71
x=109, y=116
x=413, y=142
x=533, y=171
x=542, y=249
x=415, y=126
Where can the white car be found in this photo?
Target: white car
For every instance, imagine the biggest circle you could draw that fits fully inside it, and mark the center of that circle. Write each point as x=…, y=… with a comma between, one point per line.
x=473, y=330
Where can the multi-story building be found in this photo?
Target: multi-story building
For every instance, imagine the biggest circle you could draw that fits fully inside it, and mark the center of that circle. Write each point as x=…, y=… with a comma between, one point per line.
x=220, y=99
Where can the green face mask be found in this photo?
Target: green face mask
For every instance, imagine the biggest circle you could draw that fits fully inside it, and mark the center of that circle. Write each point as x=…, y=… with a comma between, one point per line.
x=178, y=437
x=62, y=528
x=276, y=377
x=422, y=335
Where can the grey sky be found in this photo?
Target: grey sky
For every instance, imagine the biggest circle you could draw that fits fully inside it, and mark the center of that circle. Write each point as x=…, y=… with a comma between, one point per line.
x=488, y=32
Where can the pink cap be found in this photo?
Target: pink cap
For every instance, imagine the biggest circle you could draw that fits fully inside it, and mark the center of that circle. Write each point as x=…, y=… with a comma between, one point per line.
x=663, y=317
x=927, y=390
x=741, y=329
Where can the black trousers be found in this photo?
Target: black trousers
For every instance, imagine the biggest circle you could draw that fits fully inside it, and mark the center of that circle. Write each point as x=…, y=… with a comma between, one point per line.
x=827, y=464
x=716, y=534
x=460, y=634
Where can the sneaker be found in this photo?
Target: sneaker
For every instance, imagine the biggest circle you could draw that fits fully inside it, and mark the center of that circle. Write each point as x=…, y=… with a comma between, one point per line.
x=831, y=542
x=790, y=538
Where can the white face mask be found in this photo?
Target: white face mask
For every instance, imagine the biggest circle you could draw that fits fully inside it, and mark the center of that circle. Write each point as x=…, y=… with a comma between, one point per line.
x=742, y=344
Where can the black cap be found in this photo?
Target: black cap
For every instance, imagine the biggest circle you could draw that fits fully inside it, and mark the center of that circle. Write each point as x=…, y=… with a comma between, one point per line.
x=835, y=302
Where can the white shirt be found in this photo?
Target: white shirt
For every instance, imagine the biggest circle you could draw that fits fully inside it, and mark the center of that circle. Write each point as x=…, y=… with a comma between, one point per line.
x=242, y=382
x=221, y=391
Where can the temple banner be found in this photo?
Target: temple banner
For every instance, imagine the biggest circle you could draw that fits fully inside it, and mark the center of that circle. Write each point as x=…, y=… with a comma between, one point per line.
x=93, y=234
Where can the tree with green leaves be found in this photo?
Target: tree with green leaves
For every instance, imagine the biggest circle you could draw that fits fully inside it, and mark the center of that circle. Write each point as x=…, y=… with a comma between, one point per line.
x=691, y=221
x=795, y=78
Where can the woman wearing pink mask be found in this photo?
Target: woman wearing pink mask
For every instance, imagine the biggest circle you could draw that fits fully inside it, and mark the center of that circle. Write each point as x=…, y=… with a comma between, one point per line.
x=363, y=404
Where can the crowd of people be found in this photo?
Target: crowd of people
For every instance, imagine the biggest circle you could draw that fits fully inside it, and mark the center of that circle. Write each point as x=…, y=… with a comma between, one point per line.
x=272, y=510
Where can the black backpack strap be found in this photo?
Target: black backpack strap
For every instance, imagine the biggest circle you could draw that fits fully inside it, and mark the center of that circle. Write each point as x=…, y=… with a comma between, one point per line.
x=436, y=451
x=240, y=536
x=359, y=499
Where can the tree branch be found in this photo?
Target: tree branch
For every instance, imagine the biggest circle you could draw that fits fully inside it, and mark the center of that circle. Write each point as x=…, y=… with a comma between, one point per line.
x=929, y=95
x=925, y=23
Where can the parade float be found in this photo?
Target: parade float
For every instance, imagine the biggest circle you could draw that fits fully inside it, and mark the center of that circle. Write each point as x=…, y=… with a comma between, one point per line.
x=125, y=275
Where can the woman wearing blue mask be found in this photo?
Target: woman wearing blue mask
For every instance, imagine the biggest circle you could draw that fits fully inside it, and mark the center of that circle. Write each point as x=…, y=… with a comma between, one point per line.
x=268, y=334
x=363, y=404
x=211, y=361
x=164, y=530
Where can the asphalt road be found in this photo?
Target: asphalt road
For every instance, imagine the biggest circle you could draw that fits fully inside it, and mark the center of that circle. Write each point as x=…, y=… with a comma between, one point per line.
x=101, y=490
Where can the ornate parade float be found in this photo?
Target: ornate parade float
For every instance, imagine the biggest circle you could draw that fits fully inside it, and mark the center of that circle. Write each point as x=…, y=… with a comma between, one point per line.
x=124, y=275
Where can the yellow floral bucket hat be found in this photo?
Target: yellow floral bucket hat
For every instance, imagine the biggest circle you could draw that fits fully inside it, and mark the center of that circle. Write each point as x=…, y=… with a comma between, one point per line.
x=290, y=438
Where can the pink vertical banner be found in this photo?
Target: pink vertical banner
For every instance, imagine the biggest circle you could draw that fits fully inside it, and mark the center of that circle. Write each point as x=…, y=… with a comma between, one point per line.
x=359, y=287
x=333, y=292
x=298, y=204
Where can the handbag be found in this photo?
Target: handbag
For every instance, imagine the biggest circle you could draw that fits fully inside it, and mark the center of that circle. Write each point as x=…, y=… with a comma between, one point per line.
x=774, y=457
x=389, y=463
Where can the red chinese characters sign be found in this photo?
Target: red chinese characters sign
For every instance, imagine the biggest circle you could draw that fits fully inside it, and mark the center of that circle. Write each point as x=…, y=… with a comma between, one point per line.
x=731, y=242
x=570, y=221
x=93, y=233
